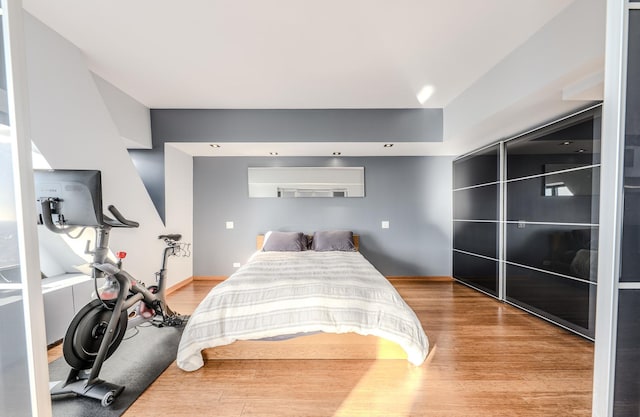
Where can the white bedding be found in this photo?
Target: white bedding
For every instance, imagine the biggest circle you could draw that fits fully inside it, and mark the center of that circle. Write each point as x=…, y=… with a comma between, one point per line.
x=287, y=293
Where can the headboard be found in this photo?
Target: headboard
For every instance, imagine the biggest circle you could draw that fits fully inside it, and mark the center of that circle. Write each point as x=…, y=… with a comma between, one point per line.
x=260, y=241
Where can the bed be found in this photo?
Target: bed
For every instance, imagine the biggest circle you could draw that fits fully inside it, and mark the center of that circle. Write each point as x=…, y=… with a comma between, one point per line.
x=319, y=303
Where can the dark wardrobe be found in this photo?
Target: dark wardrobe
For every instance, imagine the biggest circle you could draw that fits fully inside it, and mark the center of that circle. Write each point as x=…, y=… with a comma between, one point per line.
x=525, y=220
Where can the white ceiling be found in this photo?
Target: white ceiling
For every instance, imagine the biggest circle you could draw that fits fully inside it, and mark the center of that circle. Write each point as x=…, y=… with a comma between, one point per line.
x=294, y=54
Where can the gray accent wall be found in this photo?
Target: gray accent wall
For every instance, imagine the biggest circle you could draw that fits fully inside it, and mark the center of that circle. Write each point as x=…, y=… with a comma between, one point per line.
x=297, y=125
x=277, y=125
x=412, y=193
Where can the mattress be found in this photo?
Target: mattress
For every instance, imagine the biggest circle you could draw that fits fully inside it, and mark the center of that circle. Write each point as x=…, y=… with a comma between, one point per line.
x=278, y=294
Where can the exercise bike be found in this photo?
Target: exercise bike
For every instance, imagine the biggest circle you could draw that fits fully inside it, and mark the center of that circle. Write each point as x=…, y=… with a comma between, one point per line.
x=98, y=328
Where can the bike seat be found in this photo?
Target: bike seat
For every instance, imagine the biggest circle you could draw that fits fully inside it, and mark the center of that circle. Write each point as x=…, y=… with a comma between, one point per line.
x=174, y=237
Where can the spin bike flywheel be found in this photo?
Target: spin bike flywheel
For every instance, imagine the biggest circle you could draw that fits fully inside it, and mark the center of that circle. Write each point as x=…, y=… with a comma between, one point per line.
x=86, y=332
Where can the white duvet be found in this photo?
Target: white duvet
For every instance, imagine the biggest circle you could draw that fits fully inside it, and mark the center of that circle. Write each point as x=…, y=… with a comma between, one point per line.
x=287, y=293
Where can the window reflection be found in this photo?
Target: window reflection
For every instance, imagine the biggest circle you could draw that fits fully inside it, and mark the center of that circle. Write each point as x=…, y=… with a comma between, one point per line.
x=568, y=183
x=568, y=144
x=292, y=182
x=14, y=373
x=4, y=100
x=529, y=199
x=9, y=257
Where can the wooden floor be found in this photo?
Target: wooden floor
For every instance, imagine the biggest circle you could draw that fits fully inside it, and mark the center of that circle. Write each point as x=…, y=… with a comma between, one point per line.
x=486, y=359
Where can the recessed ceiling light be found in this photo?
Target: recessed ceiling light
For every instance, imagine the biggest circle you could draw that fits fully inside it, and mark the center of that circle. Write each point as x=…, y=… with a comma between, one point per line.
x=388, y=145
x=273, y=153
x=214, y=145
x=567, y=142
x=581, y=150
x=337, y=153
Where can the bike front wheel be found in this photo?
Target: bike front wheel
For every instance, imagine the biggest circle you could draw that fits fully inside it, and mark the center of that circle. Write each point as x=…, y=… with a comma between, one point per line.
x=86, y=333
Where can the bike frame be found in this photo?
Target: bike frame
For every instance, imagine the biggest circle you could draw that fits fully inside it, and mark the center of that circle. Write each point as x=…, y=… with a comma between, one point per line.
x=130, y=292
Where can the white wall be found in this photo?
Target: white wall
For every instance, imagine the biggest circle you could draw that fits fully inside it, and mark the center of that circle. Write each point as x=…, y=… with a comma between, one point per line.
x=179, y=206
x=73, y=129
x=526, y=88
x=130, y=117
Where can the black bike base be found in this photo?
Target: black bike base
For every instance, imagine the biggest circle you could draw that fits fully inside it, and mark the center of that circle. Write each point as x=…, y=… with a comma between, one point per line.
x=101, y=390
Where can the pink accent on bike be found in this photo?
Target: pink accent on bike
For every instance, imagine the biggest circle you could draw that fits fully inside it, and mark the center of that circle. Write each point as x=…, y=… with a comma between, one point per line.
x=108, y=295
x=145, y=311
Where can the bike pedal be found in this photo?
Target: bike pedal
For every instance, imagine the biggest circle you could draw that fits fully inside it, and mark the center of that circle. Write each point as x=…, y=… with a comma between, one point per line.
x=157, y=323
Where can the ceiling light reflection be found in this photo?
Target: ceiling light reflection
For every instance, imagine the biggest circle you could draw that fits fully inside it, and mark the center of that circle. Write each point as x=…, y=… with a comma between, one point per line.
x=425, y=93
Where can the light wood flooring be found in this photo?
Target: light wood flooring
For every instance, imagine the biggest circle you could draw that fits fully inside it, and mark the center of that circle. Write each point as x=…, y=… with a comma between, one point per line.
x=486, y=359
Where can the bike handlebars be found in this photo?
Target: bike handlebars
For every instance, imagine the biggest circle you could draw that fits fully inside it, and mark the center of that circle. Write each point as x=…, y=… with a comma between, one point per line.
x=47, y=205
x=120, y=220
x=174, y=237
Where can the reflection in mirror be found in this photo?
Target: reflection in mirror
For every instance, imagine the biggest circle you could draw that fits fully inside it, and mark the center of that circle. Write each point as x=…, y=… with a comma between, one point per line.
x=526, y=199
x=479, y=168
x=566, y=181
x=569, y=250
x=573, y=142
x=9, y=255
x=294, y=182
x=565, y=301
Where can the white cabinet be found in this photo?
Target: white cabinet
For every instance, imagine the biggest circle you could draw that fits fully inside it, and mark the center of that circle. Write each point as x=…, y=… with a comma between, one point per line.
x=64, y=296
x=58, y=312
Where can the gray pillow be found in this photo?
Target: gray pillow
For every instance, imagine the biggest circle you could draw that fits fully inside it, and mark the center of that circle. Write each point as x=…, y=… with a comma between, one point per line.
x=284, y=241
x=333, y=240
